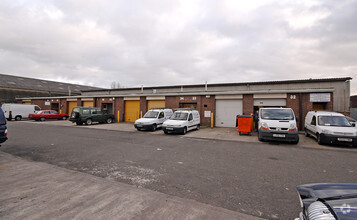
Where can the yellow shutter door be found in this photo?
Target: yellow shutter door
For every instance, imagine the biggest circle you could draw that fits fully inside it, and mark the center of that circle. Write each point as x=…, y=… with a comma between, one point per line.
x=71, y=105
x=132, y=110
x=27, y=103
x=88, y=104
x=156, y=104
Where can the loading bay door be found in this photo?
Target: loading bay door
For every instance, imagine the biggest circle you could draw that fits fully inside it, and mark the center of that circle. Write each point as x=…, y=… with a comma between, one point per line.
x=227, y=111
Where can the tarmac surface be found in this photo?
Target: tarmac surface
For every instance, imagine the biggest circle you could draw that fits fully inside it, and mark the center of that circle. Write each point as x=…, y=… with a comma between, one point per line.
x=35, y=190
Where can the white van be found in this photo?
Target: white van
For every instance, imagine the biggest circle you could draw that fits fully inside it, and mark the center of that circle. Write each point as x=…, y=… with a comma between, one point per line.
x=18, y=111
x=153, y=119
x=277, y=124
x=182, y=121
x=330, y=127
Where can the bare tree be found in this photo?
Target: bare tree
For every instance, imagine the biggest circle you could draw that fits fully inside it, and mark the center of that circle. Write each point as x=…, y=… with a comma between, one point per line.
x=115, y=85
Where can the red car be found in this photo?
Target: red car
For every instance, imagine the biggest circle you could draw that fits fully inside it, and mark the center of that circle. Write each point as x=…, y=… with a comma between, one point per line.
x=47, y=114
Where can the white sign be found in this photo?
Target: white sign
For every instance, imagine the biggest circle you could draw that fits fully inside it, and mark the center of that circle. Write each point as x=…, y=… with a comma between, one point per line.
x=207, y=114
x=47, y=103
x=320, y=97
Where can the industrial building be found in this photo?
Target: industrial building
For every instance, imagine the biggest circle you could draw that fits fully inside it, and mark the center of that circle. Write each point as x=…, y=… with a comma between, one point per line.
x=12, y=87
x=217, y=103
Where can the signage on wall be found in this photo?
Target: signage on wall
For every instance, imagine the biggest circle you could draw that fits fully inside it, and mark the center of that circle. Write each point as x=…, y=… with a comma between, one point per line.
x=207, y=114
x=47, y=103
x=320, y=97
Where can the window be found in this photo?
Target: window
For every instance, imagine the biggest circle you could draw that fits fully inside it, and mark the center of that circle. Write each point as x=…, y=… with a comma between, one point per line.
x=54, y=112
x=151, y=114
x=338, y=121
x=37, y=108
x=277, y=114
x=313, y=121
x=161, y=115
x=179, y=116
x=190, y=118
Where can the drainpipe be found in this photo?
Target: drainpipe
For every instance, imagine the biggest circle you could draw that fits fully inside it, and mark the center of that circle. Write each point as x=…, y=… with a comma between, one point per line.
x=206, y=86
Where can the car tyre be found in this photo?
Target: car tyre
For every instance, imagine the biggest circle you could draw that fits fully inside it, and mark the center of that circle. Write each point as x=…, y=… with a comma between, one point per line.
x=64, y=118
x=166, y=132
x=306, y=133
x=109, y=120
x=79, y=123
x=42, y=119
x=18, y=118
x=89, y=121
x=319, y=140
x=198, y=127
x=184, y=130
x=153, y=128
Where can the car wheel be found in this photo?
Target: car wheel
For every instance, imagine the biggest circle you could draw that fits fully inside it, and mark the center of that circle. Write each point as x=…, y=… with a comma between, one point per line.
x=139, y=129
x=166, y=132
x=306, y=133
x=295, y=142
x=318, y=137
x=43, y=119
x=88, y=121
x=153, y=127
x=198, y=127
x=64, y=118
x=184, y=130
x=18, y=118
x=109, y=120
x=260, y=138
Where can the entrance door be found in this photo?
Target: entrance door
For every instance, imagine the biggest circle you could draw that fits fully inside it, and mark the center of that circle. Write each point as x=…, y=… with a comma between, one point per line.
x=188, y=105
x=107, y=108
x=227, y=111
x=132, y=110
x=55, y=106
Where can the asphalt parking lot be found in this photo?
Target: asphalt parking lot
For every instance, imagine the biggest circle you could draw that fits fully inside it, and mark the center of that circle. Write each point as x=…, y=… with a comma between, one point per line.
x=210, y=166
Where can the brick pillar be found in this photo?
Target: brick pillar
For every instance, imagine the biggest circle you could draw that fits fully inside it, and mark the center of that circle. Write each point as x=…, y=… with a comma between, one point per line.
x=248, y=104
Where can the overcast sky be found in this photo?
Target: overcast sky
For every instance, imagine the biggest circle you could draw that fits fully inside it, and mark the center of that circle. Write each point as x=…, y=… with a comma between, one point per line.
x=155, y=42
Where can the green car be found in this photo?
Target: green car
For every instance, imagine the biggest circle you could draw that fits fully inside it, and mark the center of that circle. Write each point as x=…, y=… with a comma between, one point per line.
x=88, y=115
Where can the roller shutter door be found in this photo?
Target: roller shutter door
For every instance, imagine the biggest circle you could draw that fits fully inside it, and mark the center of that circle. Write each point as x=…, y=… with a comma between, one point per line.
x=227, y=111
x=132, y=110
x=88, y=104
x=270, y=102
x=156, y=104
x=71, y=105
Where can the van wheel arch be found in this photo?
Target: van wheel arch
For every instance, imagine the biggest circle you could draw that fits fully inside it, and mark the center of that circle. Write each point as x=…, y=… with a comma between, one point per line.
x=18, y=118
x=184, y=130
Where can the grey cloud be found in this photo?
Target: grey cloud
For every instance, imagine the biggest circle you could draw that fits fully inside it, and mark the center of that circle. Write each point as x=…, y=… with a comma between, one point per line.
x=163, y=43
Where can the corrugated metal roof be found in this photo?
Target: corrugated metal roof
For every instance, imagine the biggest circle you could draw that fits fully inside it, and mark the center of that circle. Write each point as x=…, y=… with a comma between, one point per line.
x=18, y=82
x=236, y=84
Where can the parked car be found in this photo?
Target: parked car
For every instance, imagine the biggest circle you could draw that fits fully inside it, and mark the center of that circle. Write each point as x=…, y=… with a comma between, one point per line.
x=328, y=201
x=47, y=114
x=351, y=121
x=182, y=121
x=88, y=115
x=18, y=111
x=277, y=124
x=329, y=128
x=153, y=119
x=3, y=128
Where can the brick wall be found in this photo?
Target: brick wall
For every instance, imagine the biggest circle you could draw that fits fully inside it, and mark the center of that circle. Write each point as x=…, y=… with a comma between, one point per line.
x=248, y=104
x=143, y=105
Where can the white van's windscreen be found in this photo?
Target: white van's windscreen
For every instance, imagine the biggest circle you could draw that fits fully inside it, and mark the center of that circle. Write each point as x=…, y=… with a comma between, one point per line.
x=277, y=114
x=179, y=116
x=151, y=114
x=338, y=121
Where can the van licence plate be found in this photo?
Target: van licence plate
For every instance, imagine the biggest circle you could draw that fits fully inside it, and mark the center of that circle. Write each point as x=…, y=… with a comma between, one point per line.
x=345, y=139
x=169, y=129
x=279, y=135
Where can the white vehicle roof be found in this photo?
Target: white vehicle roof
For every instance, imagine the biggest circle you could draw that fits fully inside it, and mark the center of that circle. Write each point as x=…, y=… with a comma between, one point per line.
x=328, y=113
x=186, y=111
